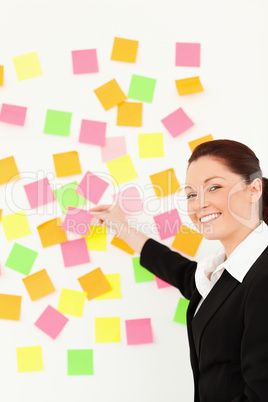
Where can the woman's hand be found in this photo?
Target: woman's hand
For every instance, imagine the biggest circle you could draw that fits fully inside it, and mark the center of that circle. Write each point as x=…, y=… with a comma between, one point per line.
x=110, y=216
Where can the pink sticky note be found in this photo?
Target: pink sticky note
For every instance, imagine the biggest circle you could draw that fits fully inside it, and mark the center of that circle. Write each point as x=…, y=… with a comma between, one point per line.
x=77, y=221
x=168, y=224
x=177, y=122
x=114, y=148
x=51, y=321
x=39, y=193
x=75, y=252
x=188, y=54
x=85, y=61
x=129, y=200
x=161, y=284
x=13, y=114
x=92, y=187
x=93, y=132
x=139, y=331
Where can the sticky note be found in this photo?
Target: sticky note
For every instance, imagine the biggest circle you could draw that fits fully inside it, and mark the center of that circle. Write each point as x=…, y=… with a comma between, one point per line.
x=94, y=283
x=51, y=322
x=141, y=88
x=125, y=50
x=1, y=76
x=151, y=145
x=188, y=86
x=77, y=221
x=122, y=169
x=93, y=132
x=168, y=223
x=27, y=66
x=38, y=284
x=72, y=302
x=129, y=200
x=16, y=225
x=115, y=292
x=194, y=143
x=165, y=183
x=10, y=306
x=13, y=114
x=141, y=274
x=180, y=314
x=177, y=122
x=139, y=331
x=39, y=193
x=92, y=187
x=187, y=54
x=114, y=148
x=129, y=114
x=107, y=329
x=74, y=252
x=67, y=164
x=29, y=358
x=50, y=233
x=8, y=170
x=1, y=214
x=161, y=284
x=110, y=94
x=58, y=122
x=85, y=61
x=96, y=238
x=21, y=259
x=80, y=362
x=187, y=240
x=68, y=197
x=119, y=243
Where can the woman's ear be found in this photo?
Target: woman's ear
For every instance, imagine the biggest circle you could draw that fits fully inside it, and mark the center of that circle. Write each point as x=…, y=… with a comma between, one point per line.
x=255, y=190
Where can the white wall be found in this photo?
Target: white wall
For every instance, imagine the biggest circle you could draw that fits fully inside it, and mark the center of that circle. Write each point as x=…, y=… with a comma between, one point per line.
x=234, y=65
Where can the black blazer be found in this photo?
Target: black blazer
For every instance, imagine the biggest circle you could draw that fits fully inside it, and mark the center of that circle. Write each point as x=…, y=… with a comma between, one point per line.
x=228, y=336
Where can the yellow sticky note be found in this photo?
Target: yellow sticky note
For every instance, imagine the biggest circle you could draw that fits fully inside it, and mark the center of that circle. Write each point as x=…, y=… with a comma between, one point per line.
x=107, y=329
x=8, y=170
x=38, y=284
x=10, y=306
x=29, y=358
x=151, y=145
x=125, y=50
x=1, y=76
x=96, y=238
x=27, y=66
x=193, y=144
x=187, y=240
x=50, y=232
x=16, y=225
x=188, y=86
x=67, y=164
x=122, y=169
x=110, y=94
x=129, y=114
x=72, y=302
x=122, y=245
x=115, y=293
x=165, y=183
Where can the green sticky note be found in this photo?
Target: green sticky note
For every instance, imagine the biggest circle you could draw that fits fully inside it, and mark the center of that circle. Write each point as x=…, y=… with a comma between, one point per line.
x=142, y=88
x=21, y=259
x=180, y=315
x=141, y=274
x=80, y=362
x=67, y=197
x=57, y=122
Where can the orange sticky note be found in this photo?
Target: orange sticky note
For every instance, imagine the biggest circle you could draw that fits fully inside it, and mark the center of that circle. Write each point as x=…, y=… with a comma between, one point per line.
x=165, y=183
x=122, y=244
x=187, y=240
x=1, y=76
x=188, y=86
x=193, y=144
x=10, y=307
x=129, y=114
x=94, y=283
x=125, y=50
x=67, y=164
x=110, y=94
x=1, y=214
x=8, y=170
x=50, y=233
x=38, y=285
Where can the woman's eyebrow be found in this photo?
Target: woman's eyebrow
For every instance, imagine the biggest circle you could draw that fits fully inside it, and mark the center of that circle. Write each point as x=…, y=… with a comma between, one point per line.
x=205, y=181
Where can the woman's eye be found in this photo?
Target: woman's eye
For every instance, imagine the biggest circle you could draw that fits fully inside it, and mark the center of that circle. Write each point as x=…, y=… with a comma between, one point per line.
x=189, y=196
x=214, y=188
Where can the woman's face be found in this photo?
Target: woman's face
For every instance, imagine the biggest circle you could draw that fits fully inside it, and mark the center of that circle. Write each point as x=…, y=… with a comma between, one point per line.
x=219, y=202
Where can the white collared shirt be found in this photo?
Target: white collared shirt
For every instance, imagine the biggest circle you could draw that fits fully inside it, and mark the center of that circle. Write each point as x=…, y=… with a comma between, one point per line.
x=238, y=264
